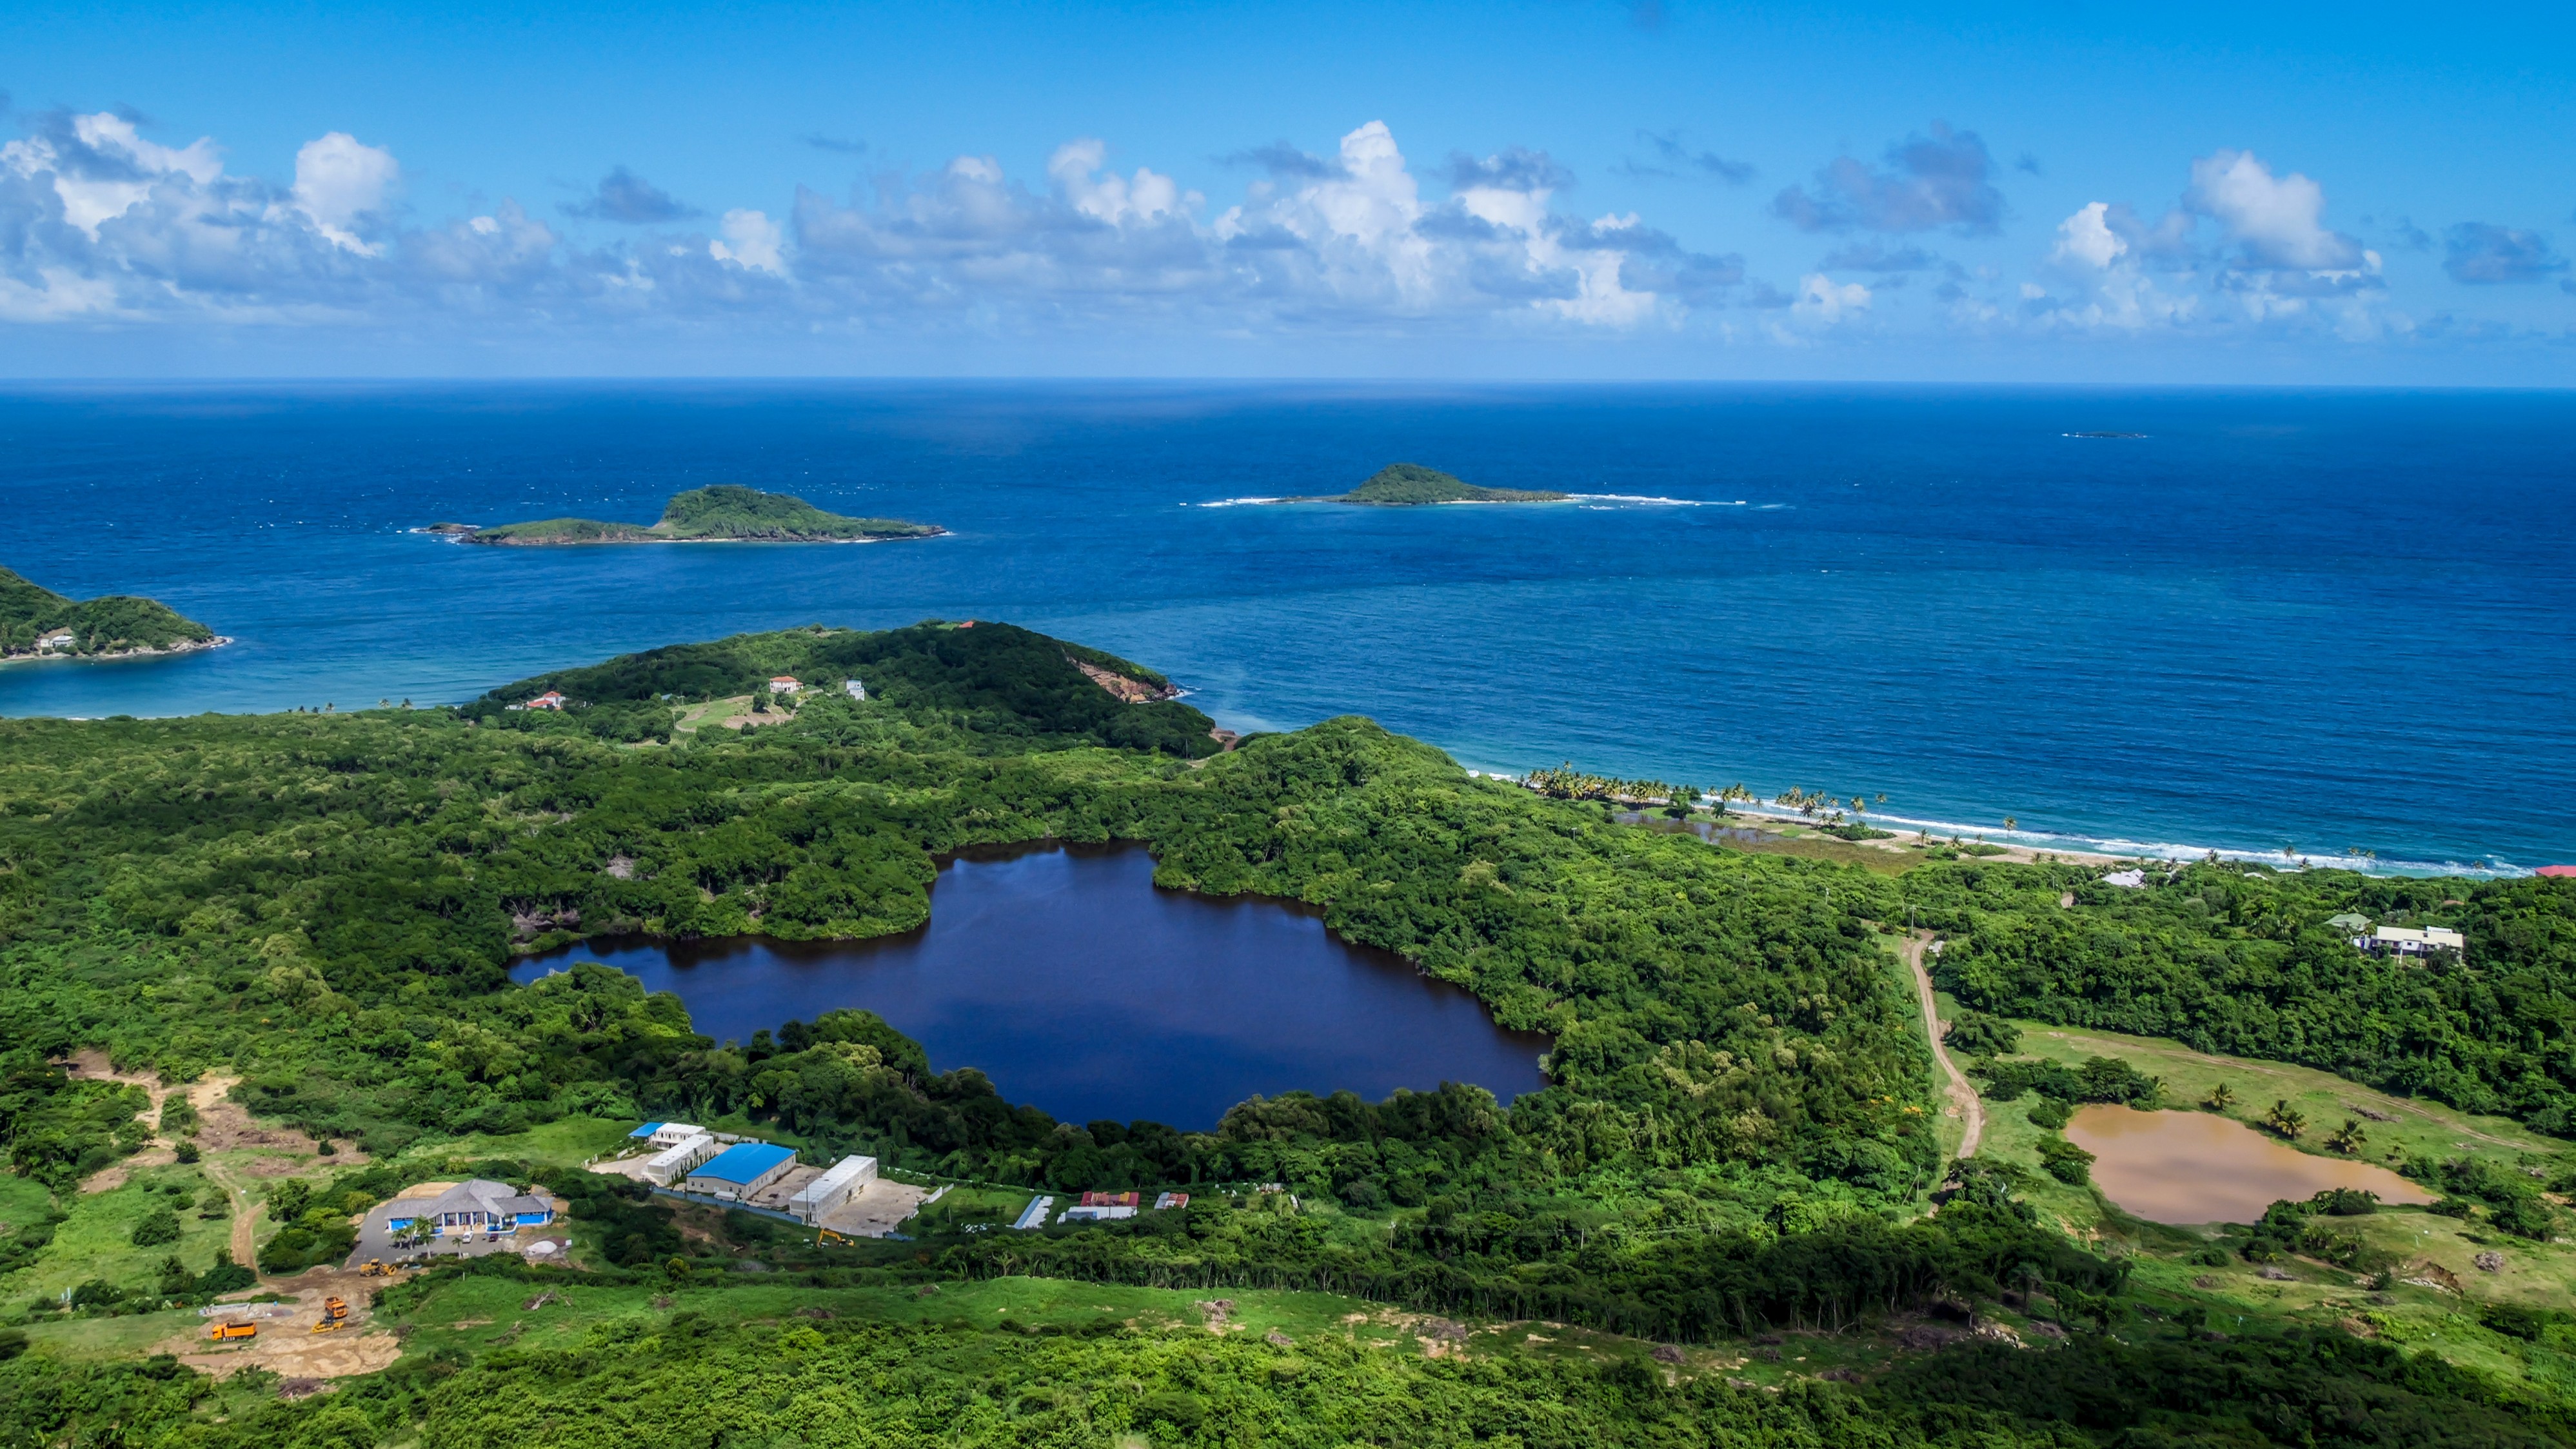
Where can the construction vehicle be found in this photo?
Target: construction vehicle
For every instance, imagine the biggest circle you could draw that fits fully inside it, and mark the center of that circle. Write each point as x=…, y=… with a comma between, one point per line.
x=375, y=1268
x=222, y=1331
x=826, y=1235
x=335, y=1316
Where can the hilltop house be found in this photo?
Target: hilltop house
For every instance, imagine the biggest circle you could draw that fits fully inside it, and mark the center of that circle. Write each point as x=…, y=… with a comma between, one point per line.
x=548, y=700
x=2409, y=941
x=784, y=684
x=477, y=1206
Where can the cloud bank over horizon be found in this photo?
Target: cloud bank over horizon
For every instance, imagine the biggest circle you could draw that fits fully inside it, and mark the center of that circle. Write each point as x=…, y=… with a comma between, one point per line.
x=103, y=229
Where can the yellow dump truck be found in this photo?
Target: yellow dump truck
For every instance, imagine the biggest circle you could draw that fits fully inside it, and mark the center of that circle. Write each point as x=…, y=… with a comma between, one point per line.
x=335, y=1316
x=222, y=1331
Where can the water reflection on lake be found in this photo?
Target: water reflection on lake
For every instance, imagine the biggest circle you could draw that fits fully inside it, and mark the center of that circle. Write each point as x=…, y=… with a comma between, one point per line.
x=2200, y=1167
x=1078, y=987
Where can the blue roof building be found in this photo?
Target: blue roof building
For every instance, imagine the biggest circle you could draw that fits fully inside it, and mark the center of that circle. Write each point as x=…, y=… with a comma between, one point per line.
x=741, y=1170
x=647, y=1130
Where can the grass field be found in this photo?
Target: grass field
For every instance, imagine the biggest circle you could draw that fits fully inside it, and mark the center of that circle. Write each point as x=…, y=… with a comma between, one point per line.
x=568, y=1142
x=96, y=1241
x=2420, y=1128
x=2423, y=1245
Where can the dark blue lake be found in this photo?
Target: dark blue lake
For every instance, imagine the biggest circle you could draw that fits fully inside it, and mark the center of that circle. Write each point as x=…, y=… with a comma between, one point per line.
x=1078, y=987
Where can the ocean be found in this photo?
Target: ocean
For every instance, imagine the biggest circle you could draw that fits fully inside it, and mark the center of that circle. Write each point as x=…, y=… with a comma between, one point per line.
x=2335, y=624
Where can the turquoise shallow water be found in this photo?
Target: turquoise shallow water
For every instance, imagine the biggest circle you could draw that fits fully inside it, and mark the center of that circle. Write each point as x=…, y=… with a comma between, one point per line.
x=2332, y=621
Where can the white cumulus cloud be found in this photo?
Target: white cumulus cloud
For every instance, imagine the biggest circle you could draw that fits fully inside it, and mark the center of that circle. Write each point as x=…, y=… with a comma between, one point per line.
x=751, y=240
x=1823, y=301
x=341, y=185
x=2278, y=220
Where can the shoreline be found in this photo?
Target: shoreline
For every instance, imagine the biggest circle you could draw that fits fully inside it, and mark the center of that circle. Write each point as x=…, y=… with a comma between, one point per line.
x=2028, y=846
x=54, y=656
x=468, y=538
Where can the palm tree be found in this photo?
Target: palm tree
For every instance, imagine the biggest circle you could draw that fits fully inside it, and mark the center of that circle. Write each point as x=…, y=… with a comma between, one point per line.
x=2220, y=1098
x=2347, y=1138
x=2285, y=1119
x=2010, y=823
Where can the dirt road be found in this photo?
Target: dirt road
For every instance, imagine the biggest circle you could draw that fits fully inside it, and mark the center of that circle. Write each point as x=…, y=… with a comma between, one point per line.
x=1962, y=1096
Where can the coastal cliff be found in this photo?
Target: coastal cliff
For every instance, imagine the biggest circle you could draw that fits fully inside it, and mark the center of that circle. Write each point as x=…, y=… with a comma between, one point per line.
x=36, y=622
x=723, y=513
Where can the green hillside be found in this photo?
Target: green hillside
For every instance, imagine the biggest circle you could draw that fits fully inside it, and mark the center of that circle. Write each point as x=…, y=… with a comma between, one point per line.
x=725, y=511
x=1404, y=484
x=114, y=624
x=1013, y=689
x=1714, y=1226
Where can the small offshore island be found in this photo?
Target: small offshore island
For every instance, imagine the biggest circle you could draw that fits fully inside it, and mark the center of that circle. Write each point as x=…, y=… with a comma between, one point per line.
x=1405, y=485
x=37, y=623
x=723, y=513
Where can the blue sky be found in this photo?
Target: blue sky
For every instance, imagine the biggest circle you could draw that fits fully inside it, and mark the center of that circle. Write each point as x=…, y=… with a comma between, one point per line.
x=2060, y=192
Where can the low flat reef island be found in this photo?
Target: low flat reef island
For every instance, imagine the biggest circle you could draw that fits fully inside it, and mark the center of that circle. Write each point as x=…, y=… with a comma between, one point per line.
x=724, y=513
x=36, y=622
x=1404, y=485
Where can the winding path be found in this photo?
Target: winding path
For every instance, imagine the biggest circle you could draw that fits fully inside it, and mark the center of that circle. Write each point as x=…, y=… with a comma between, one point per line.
x=1962, y=1096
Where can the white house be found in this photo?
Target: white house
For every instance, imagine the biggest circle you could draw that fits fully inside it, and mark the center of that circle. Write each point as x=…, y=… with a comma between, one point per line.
x=59, y=639
x=2410, y=941
x=784, y=684
x=854, y=689
x=845, y=1180
x=548, y=700
x=672, y=1163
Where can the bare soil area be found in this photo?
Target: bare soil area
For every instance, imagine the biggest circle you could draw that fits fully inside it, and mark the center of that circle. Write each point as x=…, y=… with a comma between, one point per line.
x=287, y=1345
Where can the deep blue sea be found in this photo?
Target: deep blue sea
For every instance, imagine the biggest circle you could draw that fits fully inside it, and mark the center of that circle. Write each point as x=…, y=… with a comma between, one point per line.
x=2328, y=621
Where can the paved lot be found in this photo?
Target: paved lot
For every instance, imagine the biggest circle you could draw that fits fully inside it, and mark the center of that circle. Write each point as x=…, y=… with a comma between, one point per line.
x=876, y=1210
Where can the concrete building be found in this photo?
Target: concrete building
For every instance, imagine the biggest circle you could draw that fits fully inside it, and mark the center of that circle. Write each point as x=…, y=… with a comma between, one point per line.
x=2410, y=941
x=1164, y=1202
x=664, y=1134
x=784, y=684
x=740, y=1170
x=673, y=1162
x=477, y=1206
x=844, y=1180
x=854, y=690
x=1095, y=1212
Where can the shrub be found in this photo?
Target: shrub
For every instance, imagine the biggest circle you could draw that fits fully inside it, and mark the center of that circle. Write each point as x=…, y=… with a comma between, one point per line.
x=1976, y=1034
x=157, y=1227
x=2065, y=1161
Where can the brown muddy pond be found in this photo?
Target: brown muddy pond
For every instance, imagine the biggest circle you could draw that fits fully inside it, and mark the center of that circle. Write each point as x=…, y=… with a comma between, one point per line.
x=2199, y=1167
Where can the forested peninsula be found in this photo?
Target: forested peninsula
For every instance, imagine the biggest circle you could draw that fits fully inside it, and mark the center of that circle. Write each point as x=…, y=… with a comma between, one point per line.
x=35, y=621
x=1399, y=485
x=1731, y=1218
x=722, y=513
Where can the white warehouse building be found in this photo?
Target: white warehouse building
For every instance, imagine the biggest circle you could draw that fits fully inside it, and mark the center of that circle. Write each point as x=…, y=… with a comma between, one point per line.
x=672, y=1163
x=845, y=1180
